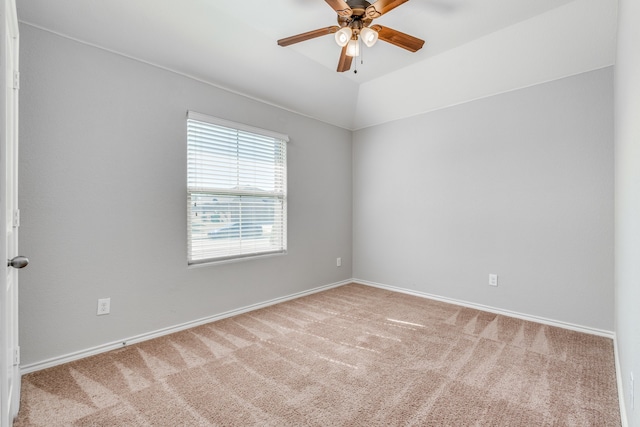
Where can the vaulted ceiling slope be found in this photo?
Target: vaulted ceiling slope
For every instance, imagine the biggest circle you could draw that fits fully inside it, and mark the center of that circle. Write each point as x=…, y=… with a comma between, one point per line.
x=473, y=49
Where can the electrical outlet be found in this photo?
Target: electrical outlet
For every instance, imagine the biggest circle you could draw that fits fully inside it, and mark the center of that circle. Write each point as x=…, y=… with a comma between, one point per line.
x=338, y=262
x=104, y=306
x=493, y=280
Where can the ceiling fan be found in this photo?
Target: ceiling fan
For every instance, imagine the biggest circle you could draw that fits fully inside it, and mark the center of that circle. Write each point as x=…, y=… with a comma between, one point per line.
x=354, y=24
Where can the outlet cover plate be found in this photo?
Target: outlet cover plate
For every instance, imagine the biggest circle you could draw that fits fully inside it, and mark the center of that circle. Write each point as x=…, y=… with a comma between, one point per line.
x=104, y=306
x=493, y=280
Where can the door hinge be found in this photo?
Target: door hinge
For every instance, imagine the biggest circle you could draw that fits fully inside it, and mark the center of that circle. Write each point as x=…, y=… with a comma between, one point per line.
x=16, y=356
x=16, y=79
x=16, y=218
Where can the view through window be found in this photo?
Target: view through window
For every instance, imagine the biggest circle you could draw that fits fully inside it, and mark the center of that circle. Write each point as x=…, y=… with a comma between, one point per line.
x=237, y=190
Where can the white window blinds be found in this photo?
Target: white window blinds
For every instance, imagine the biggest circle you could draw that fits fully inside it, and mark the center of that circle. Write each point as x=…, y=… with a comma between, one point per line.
x=237, y=190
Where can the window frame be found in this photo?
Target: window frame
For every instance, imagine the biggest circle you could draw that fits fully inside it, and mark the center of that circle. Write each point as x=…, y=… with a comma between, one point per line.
x=278, y=198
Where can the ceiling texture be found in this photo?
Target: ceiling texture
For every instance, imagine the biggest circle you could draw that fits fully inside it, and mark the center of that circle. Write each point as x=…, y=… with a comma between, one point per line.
x=472, y=48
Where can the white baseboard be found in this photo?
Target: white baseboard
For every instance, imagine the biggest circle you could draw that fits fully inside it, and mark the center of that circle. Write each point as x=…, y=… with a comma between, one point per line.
x=537, y=319
x=621, y=399
x=59, y=360
x=32, y=367
x=531, y=318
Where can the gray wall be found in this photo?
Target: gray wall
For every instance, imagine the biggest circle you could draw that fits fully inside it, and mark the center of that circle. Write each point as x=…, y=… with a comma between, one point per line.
x=627, y=108
x=519, y=184
x=103, y=200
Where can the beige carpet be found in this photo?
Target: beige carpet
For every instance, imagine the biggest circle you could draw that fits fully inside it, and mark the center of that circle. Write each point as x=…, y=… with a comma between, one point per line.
x=349, y=356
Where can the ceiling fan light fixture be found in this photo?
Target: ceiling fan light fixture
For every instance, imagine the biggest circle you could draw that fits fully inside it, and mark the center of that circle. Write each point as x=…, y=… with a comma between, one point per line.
x=369, y=36
x=353, y=48
x=343, y=35
x=354, y=23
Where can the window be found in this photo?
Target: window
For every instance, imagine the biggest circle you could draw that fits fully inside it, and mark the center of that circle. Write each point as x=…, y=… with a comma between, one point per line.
x=237, y=190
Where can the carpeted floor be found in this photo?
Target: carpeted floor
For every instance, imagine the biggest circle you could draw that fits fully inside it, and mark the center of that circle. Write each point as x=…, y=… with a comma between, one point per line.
x=349, y=356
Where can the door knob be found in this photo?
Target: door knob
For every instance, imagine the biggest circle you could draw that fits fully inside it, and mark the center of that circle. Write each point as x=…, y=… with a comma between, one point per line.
x=18, y=262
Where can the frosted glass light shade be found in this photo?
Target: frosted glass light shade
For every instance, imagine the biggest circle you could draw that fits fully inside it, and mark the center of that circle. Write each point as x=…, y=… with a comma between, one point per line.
x=369, y=36
x=343, y=35
x=353, y=48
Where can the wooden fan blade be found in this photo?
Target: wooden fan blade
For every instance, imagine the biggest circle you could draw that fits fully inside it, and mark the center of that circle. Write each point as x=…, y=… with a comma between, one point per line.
x=308, y=35
x=341, y=7
x=344, y=64
x=381, y=7
x=397, y=38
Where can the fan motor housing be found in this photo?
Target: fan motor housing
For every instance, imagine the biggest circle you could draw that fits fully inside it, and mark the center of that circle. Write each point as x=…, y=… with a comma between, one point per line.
x=358, y=18
x=358, y=6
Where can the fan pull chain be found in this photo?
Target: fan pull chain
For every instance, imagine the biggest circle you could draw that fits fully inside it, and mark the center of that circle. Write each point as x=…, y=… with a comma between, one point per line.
x=355, y=65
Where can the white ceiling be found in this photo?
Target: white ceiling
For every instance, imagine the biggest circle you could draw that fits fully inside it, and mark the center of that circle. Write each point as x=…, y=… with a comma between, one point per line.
x=232, y=44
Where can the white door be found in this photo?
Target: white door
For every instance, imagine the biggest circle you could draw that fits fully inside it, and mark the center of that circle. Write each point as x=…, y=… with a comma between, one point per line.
x=9, y=215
